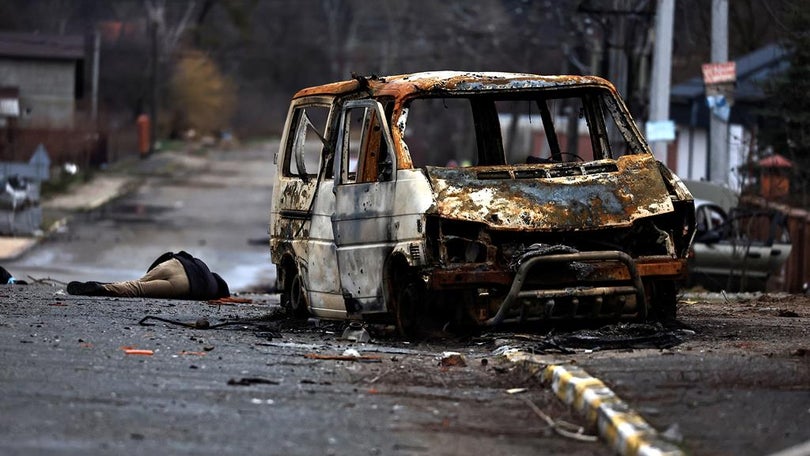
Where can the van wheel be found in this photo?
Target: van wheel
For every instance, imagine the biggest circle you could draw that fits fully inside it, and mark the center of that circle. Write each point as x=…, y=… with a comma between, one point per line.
x=297, y=302
x=664, y=300
x=409, y=309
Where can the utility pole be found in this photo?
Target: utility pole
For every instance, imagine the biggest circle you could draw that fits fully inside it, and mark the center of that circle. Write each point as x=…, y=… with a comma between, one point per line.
x=718, y=149
x=156, y=13
x=617, y=53
x=660, y=129
x=96, y=58
x=153, y=105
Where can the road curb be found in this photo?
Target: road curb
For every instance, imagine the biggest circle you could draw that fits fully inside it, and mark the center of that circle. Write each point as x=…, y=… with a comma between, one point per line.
x=623, y=429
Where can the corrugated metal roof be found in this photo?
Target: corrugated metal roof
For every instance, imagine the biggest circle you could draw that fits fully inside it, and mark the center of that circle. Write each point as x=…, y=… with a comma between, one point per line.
x=34, y=45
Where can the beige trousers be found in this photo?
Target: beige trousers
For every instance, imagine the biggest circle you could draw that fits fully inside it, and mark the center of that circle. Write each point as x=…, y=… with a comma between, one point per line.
x=166, y=280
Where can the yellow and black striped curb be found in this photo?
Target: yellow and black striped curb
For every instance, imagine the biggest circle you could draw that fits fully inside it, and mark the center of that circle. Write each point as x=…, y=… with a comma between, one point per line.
x=622, y=428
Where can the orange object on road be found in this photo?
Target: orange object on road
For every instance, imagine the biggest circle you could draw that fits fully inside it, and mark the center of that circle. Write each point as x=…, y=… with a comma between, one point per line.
x=229, y=301
x=137, y=351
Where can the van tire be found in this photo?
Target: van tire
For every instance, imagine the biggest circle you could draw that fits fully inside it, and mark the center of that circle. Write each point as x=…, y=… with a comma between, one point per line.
x=299, y=307
x=408, y=308
x=664, y=301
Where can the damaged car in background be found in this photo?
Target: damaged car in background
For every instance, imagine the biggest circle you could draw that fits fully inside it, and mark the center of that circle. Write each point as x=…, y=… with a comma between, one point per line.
x=738, y=250
x=476, y=198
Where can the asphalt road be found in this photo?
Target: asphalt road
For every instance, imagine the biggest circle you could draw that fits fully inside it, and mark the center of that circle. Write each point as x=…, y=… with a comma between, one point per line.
x=69, y=387
x=214, y=205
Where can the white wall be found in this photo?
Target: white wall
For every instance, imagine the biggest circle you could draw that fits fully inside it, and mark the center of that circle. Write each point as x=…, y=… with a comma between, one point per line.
x=695, y=169
x=691, y=167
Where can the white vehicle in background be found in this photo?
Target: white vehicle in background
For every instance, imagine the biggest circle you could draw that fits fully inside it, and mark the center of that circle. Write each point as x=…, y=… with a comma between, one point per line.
x=738, y=250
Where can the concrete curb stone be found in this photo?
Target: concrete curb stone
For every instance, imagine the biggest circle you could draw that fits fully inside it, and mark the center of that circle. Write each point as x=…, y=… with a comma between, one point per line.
x=624, y=430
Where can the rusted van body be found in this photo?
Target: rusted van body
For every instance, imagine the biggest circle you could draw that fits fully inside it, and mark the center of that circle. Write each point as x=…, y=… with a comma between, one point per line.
x=484, y=197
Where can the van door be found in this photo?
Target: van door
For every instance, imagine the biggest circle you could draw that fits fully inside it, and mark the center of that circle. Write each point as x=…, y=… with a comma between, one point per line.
x=364, y=204
x=303, y=204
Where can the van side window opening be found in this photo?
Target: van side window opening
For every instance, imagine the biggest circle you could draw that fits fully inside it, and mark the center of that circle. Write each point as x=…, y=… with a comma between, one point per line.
x=307, y=141
x=520, y=128
x=366, y=157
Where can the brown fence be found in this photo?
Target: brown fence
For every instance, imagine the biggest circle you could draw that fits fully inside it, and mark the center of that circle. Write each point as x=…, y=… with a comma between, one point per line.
x=796, y=270
x=86, y=148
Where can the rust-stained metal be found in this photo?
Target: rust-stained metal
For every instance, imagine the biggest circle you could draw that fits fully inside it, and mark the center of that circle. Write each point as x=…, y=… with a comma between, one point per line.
x=371, y=233
x=578, y=202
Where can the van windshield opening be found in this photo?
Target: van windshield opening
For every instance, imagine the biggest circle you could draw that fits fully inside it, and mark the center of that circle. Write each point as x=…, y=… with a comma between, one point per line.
x=518, y=128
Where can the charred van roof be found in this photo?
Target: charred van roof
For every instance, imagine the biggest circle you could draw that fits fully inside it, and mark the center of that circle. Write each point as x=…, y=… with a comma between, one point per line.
x=451, y=81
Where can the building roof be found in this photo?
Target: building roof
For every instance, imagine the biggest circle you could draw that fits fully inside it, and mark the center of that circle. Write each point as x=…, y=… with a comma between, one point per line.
x=38, y=46
x=752, y=70
x=775, y=161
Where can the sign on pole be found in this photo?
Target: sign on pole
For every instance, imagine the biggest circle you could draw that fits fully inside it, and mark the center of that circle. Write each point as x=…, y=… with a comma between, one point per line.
x=719, y=79
x=718, y=73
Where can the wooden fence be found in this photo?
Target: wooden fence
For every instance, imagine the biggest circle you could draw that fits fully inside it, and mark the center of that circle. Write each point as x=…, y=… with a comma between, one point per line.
x=86, y=148
x=796, y=270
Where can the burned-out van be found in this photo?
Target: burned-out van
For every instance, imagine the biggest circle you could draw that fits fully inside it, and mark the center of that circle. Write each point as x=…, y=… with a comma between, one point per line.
x=479, y=197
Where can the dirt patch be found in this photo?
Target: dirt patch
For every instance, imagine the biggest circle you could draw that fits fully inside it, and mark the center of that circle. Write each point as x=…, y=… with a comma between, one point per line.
x=767, y=324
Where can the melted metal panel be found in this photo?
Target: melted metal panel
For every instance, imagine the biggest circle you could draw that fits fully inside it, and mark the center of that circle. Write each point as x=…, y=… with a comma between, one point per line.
x=553, y=204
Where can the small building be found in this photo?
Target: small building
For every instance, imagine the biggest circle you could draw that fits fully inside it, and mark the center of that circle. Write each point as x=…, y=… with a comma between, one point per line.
x=774, y=177
x=45, y=72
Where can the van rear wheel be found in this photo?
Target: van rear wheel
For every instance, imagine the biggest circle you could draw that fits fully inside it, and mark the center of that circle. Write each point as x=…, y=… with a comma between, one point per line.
x=409, y=309
x=297, y=301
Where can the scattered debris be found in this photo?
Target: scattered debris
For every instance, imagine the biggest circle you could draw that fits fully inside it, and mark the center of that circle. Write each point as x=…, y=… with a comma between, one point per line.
x=355, y=332
x=262, y=328
x=351, y=352
x=673, y=434
x=192, y=353
x=229, y=301
x=200, y=323
x=516, y=390
x=306, y=381
x=452, y=359
x=615, y=337
x=47, y=281
x=361, y=358
x=787, y=313
x=563, y=428
x=381, y=375
x=137, y=351
x=248, y=381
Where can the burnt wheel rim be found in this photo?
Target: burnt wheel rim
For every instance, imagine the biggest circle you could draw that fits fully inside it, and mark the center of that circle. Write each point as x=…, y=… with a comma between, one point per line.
x=298, y=303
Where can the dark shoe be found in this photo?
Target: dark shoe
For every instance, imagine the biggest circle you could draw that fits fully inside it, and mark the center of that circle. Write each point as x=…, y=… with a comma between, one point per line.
x=86, y=288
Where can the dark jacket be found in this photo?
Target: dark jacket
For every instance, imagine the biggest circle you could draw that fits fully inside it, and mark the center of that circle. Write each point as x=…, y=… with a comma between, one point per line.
x=203, y=283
